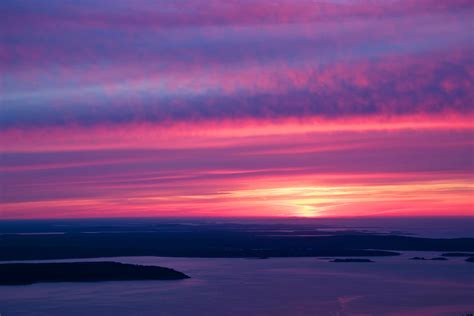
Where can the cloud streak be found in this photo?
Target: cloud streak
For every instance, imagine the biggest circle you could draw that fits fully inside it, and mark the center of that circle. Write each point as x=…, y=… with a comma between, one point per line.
x=251, y=108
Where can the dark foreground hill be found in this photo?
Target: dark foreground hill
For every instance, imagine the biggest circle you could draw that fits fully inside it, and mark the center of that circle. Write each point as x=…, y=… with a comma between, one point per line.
x=29, y=273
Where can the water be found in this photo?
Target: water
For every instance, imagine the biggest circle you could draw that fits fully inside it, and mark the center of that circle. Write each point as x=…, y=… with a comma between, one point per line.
x=276, y=286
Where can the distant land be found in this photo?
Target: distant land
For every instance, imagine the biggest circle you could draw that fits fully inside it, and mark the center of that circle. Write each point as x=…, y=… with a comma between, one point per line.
x=435, y=258
x=351, y=260
x=218, y=240
x=29, y=273
x=458, y=254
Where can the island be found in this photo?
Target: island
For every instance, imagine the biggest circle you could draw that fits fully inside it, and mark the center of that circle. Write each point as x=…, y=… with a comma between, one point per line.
x=458, y=254
x=435, y=258
x=258, y=258
x=470, y=259
x=352, y=260
x=29, y=273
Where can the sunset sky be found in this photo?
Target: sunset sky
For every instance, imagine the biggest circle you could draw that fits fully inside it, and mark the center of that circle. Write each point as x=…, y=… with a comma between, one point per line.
x=125, y=108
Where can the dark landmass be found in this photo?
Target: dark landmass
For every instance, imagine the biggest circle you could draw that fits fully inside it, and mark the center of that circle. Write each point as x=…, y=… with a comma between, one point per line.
x=435, y=258
x=29, y=273
x=470, y=259
x=458, y=254
x=351, y=260
x=93, y=239
x=259, y=258
x=219, y=245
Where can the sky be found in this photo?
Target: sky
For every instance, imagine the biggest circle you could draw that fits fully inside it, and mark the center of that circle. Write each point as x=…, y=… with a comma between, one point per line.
x=140, y=108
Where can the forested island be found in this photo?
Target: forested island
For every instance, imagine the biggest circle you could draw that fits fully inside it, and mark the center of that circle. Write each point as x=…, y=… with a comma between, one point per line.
x=29, y=273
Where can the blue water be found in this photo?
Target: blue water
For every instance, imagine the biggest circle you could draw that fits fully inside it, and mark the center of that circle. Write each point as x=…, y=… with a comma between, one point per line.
x=280, y=286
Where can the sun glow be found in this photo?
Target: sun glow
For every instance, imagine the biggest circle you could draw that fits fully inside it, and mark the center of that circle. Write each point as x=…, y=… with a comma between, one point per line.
x=380, y=199
x=306, y=211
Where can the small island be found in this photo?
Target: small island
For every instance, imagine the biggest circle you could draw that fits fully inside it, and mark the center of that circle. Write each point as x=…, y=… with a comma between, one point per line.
x=351, y=260
x=439, y=259
x=470, y=259
x=435, y=258
x=29, y=273
x=458, y=254
x=258, y=258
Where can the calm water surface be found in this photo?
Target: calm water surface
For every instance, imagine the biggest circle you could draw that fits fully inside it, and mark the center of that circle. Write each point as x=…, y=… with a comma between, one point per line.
x=283, y=286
